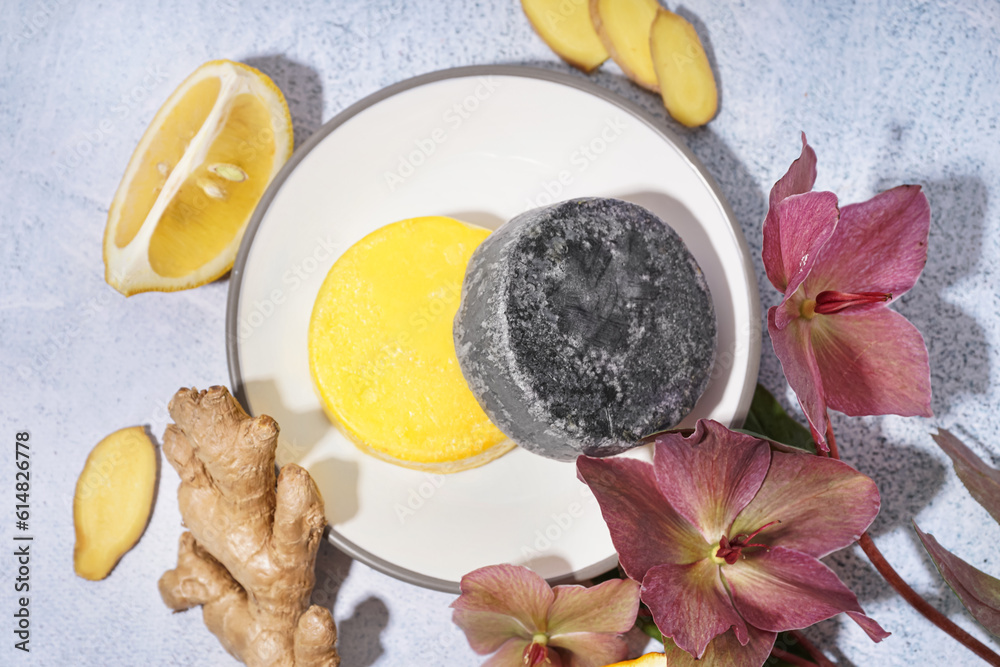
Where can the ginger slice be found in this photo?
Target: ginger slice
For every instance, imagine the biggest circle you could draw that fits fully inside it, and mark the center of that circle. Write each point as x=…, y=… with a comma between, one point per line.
x=113, y=499
x=623, y=26
x=687, y=84
x=250, y=553
x=566, y=27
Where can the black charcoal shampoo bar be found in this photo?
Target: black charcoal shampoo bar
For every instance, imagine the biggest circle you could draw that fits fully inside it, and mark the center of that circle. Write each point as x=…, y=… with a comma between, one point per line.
x=585, y=326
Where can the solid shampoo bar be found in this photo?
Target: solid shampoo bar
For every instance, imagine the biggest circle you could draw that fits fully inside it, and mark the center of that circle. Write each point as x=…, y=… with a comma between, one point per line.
x=382, y=354
x=585, y=326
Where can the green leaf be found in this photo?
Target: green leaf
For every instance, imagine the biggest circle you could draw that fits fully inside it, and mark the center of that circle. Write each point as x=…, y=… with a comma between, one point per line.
x=644, y=621
x=646, y=625
x=768, y=419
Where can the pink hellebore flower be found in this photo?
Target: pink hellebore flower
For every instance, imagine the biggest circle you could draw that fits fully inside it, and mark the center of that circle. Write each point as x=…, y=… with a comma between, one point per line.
x=725, y=536
x=839, y=345
x=510, y=611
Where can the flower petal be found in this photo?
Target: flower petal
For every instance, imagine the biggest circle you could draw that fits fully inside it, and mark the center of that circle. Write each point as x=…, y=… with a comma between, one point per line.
x=585, y=649
x=823, y=505
x=610, y=606
x=873, y=362
x=798, y=179
x=690, y=604
x=783, y=589
x=794, y=348
x=871, y=627
x=499, y=602
x=487, y=631
x=879, y=245
x=511, y=654
x=978, y=591
x=711, y=475
x=645, y=529
x=807, y=221
x=726, y=651
x=982, y=481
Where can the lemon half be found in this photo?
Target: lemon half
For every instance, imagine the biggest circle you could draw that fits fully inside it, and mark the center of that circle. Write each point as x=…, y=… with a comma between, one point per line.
x=194, y=180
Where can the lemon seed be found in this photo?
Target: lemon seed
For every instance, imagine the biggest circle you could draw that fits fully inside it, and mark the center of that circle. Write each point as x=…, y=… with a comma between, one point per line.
x=212, y=190
x=230, y=172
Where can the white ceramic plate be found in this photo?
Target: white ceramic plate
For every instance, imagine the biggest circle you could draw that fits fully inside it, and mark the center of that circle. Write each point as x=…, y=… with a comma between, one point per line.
x=481, y=144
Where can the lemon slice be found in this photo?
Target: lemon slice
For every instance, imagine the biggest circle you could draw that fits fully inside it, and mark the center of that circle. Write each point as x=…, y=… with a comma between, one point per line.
x=202, y=165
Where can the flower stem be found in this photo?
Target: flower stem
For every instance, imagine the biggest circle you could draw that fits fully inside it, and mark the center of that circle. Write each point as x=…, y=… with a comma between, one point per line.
x=907, y=593
x=811, y=649
x=921, y=605
x=791, y=658
x=831, y=440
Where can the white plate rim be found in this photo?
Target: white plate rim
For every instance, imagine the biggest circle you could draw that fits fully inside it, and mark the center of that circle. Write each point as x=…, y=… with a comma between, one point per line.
x=656, y=125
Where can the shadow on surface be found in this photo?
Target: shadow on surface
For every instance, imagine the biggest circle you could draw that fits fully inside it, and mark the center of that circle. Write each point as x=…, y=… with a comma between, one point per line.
x=908, y=477
x=302, y=88
x=956, y=343
x=300, y=431
x=336, y=474
x=485, y=220
x=332, y=568
x=360, y=635
x=160, y=460
x=550, y=563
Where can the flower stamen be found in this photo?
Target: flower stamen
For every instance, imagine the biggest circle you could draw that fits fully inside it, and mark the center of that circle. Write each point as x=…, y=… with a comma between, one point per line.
x=808, y=309
x=537, y=653
x=830, y=302
x=732, y=551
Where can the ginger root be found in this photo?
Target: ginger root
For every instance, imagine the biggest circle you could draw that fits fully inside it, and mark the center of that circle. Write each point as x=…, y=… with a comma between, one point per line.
x=113, y=499
x=250, y=553
x=687, y=84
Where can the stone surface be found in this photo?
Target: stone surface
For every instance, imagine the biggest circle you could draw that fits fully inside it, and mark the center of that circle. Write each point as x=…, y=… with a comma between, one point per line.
x=585, y=326
x=888, y=93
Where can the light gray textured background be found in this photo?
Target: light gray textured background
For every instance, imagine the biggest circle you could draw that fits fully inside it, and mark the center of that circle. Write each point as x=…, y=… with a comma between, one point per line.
x=888, y=92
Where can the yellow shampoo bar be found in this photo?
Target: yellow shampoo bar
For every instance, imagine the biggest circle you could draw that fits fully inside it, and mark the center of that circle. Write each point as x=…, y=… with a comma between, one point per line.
x=382, y=354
